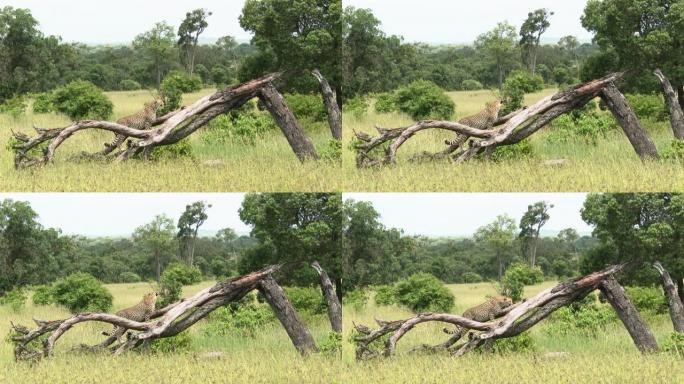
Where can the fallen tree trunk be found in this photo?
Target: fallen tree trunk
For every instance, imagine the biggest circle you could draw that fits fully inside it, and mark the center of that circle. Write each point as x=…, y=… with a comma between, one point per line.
x=31, y=344
x=673, y=104
x=171, y=128
x=509, y=130
x=331, y=106
x=674, y=302
x=520, y=318
x=334, y=306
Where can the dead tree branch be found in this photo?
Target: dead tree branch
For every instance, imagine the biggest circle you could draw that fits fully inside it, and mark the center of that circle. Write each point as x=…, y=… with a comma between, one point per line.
x=674, y=302
x=334, y=306
x=672, y=101
x=331, y=105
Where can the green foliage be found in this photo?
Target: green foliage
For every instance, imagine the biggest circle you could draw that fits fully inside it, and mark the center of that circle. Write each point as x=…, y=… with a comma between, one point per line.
x=521, y=150
x=517, y=276
x=42, y=103
x=517, y=84
x=424, y=100
x=385, y=295
x=648, y=299
x=471, y=85
x=675, y=344
x=81, y=292
x=180, y=150
x=173, y=279
x=15, y=107
x=129, y=85
x=356, y=299
x=172, y=88
x=129, y=277
x=15, y=299
x=306, y=300
x=180, y=343
x=422, y=292
x=332, y=152
x=222, y=75
x=304, y=106
x=523, y=343
x=386, y=103
x=472, y=277
x=648, y=106
x=674, y=151
x=245, y=318
x=588, y=126
x=243, y=127
x=81, y=100
x=42, y=295
x=357, y=106
x=331, y=346
x=587, y=318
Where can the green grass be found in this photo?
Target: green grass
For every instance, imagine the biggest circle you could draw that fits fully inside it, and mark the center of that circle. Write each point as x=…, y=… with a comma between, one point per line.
x=612, y=165
x=269, y=165
x=609, y=358
x=267, y=358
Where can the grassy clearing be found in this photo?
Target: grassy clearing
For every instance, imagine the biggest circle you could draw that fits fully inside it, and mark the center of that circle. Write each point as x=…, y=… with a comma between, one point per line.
x=612, y=165
x=269, y=165
x=267, y=358
x=609, y=358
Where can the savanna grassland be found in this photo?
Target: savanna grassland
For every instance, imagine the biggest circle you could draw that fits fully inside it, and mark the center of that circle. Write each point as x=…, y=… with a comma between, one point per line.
x=268, y=357
x=267, y=164
x=610, y=165
x=610, y=357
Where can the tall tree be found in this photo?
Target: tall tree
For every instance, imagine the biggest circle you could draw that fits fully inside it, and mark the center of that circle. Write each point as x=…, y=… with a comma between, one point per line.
x=498, y=237
x=156, y=238
x=191, y=220
x=531, y=31
x=499, y=44
x=158, y=45
x=570, y=44
x=191, y=28
x=530, y=226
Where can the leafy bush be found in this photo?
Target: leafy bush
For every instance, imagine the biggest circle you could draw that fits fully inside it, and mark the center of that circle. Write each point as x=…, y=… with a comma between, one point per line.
x=245, y=318
x=357, y=106
x=129, y=85
x=675, y=344
x=386, y=103
x=82, y=100
x=356, y=299
x=563, y=76
x=174, y=277
x=472, y=277
x=15, y=299
x=471, y=85
x=586, y=317
x=649, y=106
x=423, y=292
x=15, y=107
x=674, y=151
x=172, y=88
x=309, y=107
x=424, y=100
x=81, y=292
x=306, y=299
x=518, y=344
x=222, y=75
x=517, y=276
x=42, y=295
x=332, y=152
x=332, y=344
x=180, y=150
x=516, y=85
x=385, y=295
x=648, y=299
x=244, y=127
x=522, y=150
x=129, y=277
x=588, y=126
x=180, y=343
x=42, y=103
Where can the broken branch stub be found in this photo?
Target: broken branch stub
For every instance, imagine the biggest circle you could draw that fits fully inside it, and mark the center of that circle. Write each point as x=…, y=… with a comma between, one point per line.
x=674, y=302
x=331, y=105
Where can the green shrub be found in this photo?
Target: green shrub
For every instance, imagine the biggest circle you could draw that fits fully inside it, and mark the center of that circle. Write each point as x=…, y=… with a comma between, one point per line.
x=471, y=85
x=15, y=107
x=81, y=292
x=586, y=317
x=386, y=103
x=519, y=344
x=356, y=299
x=42, y=295
x=309, y=107
x=521, y=150
x=423, y=292
x=42, y=103
x=172, y=88
x=245, y=319
x=648, y=299
x=357, y=106
x=82, y=100
x=174, y=277
x=424, y=100
x=517, y=276
x=651, y=107
x=129, y=277
x=331, y=346
x=242, y=127
x=516, y=85
x=675, y=344
x=563, y=76
x=472, y=277
x=180, y=150
x=674, y=151
x=180, y=343
x=15, y=299
x=587, y=126
x=129, y=85
x=306, y=299
x=385, y=295
x=222, y=75
x=332, y=152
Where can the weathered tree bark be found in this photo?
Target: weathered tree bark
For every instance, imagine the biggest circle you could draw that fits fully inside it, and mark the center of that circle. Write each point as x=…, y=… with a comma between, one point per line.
x=643, y=145
x=170, y=128
x=672, y=100
x=295, y=328
x=171, y=320
x=511, y=130
x=334, y=306
x=674, y=302
x=636, y=326
x=519, y=318
x=331, y=106
x=275, y=103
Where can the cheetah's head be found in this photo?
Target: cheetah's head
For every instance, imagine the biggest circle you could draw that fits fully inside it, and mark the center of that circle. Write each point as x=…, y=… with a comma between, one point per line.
x=150, y=298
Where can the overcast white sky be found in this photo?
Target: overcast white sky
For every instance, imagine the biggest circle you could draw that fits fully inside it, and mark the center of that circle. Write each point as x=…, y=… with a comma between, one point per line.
x=460, y=214
x=460, y=21
x=118, y=214
x=119, y=21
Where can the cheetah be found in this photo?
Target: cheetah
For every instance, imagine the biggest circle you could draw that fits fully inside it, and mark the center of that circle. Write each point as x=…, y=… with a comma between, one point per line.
x=487, y=311
x=139, y=312
x=483, y=120
x=142, y=120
